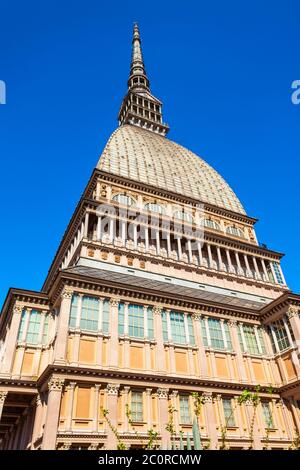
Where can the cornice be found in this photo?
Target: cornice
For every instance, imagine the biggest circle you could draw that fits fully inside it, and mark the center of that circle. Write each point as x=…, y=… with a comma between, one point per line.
x=280, y=304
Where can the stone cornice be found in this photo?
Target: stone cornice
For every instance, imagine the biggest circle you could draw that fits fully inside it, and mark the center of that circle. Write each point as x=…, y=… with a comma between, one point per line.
x=279, y=306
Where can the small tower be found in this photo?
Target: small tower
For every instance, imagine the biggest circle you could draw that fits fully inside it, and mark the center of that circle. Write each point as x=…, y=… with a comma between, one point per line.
x=140, y=107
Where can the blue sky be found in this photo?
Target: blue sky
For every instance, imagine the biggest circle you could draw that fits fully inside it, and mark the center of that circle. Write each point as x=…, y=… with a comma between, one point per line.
x=223, y=70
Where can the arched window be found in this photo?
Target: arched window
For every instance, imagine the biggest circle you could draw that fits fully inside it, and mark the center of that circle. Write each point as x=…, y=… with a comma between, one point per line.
x=153, y=207
x=123, y=199
x=185, y=216
x=209, y=223
x=236, y=232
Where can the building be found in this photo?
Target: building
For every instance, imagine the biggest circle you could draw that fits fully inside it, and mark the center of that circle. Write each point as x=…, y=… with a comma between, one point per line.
x=159, y=289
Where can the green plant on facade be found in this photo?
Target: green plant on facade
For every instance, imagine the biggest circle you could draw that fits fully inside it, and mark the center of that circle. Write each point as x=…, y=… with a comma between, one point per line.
x=254, y=399
x=120, y=444
x=152, y=439
x=270, y=422
x=170, y=427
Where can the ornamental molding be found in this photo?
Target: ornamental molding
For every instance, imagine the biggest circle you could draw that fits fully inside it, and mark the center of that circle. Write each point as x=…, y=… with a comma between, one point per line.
x=162, y=393
x=293, y=311
x=3, y=395
x=66, y=294
x=56, y=384
x=114, y=302
x=112, y=389
x=18, y=308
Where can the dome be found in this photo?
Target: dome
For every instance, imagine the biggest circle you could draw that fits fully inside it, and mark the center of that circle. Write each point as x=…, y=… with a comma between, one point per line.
x=144, y=156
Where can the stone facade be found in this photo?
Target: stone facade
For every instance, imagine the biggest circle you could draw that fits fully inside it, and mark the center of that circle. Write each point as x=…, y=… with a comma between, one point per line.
x=154, y=294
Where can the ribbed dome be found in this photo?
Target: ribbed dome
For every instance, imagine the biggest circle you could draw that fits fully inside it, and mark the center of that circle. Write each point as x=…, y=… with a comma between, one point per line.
x=142, y=155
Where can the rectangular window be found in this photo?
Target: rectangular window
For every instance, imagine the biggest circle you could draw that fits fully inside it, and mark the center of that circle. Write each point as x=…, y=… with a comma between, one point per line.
x=89, y=313
x=228, y=337
x=121, y=318
x=251, y=340
x=267, y=414
x=150, y=323
x=136, y=320
x=204, y=332
x=281, y=335
x=137, y=406
x=33, y=327
x=164, y=325
x=278, y=273
x=105, y=317
x=73, y=313
x=46, y=330
x=22, y=325
x=185, y=415
x=228, y=412
x=177, y=327
x=216, y=336
x=191, y=330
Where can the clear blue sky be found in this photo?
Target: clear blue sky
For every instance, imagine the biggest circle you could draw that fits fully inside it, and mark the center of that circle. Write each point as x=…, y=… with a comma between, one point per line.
x=223, y=70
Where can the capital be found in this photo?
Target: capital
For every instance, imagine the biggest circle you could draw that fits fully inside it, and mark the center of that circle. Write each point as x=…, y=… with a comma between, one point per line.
x=232, y=323
x=56, y=384
x=114, y=302
x=3, y=395
x=207, y=397
x=293, y=311
x=66, y=294
x=162, y=393
x=157, y=310
x=112, y=389
x=17, y=309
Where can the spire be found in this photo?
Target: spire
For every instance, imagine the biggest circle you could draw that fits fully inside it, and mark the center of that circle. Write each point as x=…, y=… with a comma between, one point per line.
x=137, y=68
x=140, y=107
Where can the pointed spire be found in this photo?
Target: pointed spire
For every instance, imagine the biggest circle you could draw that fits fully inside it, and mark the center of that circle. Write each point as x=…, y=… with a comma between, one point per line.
x=139, y=107
x=137, y=68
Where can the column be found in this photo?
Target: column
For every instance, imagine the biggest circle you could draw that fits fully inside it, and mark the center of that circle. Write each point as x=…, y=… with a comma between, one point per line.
x=274, y=338
x=209, y=256
x=149, y=407
x=223, y=333
x=123, y=232
x=179, y=248
x=111, y=229
x=126, y=319
x=238, y=262
x=37, y=427
x=293, y=313
x=63, y=327
x=157, y=242
x=282, y=275
x=237, y=348
x=99, y=228
x=163, y=415
x=230, y=267
x=42, y=324
x=243, y=337
x=207, y=331
x=146, y=239
x=264, y=269
x=55, y=387
x=146, y=322
x=189, y=246
x=135, y=243
x=100, y=315
x=96, y=407
x=86, y=225
x=126, y=403
x=287, y=330
x=200, y=253
x=26, y=324
x=174, y=402
x=112, y=391
x=257, y=339
x=273, y=272
x=114, y=339
x=160, y=351
x=186, y=329
x=3, y=395
x=220, y=262
x=169, y=329
x=11, y=340
x=201, y=350
x=69, y=410
x=256, y=268
x=210, y=421
x=248, y=272
x=168, y=244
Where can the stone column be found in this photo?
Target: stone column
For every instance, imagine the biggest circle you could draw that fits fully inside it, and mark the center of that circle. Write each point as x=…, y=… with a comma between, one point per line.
x=293, y=315
x=37, y=420
x=3, y=395
x=174, y=402
x=210, y=420
x=149, y=407
x=160, y=350
x=179, y=248
x=55, y=387
x=249, y=415
x=236, y=347
x=157, y=242
x=96, y=408
x=112, y=391
x=163, y=415
x=201, y=350
x=125, y=392
x=11, y=340
x=63, y=327
x=114, y=335
x=69, y=411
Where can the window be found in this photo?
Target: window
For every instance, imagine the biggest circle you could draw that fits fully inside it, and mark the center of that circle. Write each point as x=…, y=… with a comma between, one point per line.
x=267, y=414
x=73, y=313
x=137, y=406
x=164, y=325
x=22, y=325
x=191, y=330
x=251, y=340
x=217, y=337
x=121, y=319
x=184, y=405
x=105, y=318
x=184, y=216
x=280, y=335
x=278, y=273
x=209, y=223
x=228, y=412
x=89, y=313
x=153, y=207
x=33, y=327
x=150, y=323
x=123, y=199
x=136, y=320
x=236, y=232
x=46, y=330
x=177, y=327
